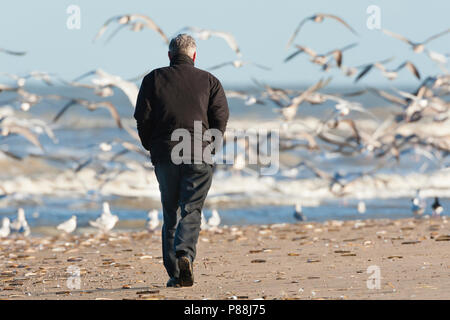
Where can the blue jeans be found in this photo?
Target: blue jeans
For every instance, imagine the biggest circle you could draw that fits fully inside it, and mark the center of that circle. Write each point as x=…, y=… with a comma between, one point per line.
x=184, y=188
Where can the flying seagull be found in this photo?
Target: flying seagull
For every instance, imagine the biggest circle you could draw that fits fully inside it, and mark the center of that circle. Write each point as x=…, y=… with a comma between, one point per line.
x=14, y=53
x=319, y=17
x=322, y=59
x=390, y=74
x=103, y=79
x=417, y=47
x=205, y=34
x=137, y=22
x=91, y=106
x=238, y=64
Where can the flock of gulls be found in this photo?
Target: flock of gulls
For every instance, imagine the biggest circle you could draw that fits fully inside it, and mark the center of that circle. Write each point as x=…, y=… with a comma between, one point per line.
x=337, y=132
x=103, y=224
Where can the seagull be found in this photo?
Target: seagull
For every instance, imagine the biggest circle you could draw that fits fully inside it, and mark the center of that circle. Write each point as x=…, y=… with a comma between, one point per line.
x=319, y=17
x=204, y=225
x=106, y=221
x=68, y=226
x=37, y=75
x=214, y=220
x=437, y=208
x=14, y=53
x=417, y=47
x=238, y=64
x=5, y=230
x=103, y=79
x=152, y=220
x=389, y=74
x=12, y=129
x=248, y=98
x=361, y=207
x=137, y=22
x=20, y=225
x=289, y=110
x=91, y=106
x=418, y=205
x=298, y=212
x=205, y=34
x=322, y=59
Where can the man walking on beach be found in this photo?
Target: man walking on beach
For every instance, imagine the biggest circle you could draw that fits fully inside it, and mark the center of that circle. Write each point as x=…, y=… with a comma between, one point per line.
x=174, y=98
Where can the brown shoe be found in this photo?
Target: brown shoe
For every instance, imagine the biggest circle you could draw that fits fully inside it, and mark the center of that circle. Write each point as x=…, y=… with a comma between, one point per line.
x=186, y=272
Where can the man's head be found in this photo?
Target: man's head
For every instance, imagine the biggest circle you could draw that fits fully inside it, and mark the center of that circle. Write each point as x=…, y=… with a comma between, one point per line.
x=183, y=44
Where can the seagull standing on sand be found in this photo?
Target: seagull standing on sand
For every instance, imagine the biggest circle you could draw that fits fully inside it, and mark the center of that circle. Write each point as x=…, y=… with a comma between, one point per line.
x=418, y=205
x=204, y=224
x=5, y=230
x=106, y=221
x=361, y=207
x=152, y=220
x=298, y=212
x=68, y=226
x=437, y=208
x=214, y=220
x=20, y=225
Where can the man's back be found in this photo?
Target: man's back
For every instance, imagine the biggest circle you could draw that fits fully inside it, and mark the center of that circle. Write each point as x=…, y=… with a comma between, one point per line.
x=175, y=97
x=180, y=97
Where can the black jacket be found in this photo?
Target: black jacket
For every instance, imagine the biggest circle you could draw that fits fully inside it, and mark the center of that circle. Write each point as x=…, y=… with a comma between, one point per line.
x=174, y=97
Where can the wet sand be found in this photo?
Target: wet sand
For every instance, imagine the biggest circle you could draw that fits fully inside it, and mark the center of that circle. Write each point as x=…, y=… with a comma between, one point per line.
x=291, y=261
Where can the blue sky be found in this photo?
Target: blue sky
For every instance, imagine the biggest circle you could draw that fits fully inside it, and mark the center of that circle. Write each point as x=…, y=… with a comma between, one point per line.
x=261, y=28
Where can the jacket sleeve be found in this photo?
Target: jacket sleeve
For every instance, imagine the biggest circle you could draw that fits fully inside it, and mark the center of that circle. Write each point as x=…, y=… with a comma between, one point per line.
x=142, y=113
x=218, y=112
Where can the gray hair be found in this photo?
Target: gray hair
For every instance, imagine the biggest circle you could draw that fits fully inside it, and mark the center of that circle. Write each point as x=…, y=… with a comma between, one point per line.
x=182, y=44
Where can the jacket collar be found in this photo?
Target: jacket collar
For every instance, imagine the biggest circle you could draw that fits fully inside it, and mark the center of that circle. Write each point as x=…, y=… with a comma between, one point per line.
x=181, y=59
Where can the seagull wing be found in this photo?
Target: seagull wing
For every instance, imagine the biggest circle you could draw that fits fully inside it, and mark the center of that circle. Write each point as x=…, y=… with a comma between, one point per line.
x=339, y=20
x=436, y=36
x=261, y=66
x=294, y=55
x=84, y=75
x=411, y=67
x=105, y=26
x=116, y=31
x=111, y=108
x=150, y=24
x=363, y=72
x=389, y=97
x=64, y=109
x=297, y=30
x=221, y=65
x=26, y=133
x=229, y=38
x=397, y=36
x=14, y=53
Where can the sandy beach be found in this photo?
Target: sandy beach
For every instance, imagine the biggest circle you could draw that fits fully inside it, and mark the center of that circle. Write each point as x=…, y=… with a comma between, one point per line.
x=326, y=260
